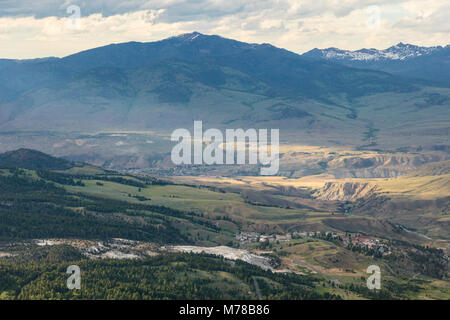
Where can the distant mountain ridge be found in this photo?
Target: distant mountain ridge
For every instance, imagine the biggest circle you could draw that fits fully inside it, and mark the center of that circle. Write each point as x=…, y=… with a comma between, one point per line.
x=168, y=84
x=120, y=85
x=400, y=51
x=430, y=63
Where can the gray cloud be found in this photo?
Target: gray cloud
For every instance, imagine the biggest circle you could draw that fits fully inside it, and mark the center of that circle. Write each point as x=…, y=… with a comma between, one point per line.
x=175, y=8
x=185, y=10
x=57, y=8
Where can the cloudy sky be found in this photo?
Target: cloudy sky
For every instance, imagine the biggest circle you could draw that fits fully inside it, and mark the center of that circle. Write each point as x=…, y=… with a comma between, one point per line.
x=30, y=28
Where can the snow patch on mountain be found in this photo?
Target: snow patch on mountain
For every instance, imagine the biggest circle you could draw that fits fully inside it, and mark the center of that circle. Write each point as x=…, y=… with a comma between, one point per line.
x=188, y=36
x=398, y=52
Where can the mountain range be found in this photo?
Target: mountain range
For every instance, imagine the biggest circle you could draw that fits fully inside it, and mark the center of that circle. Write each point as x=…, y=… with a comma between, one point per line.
x=167, y=84
x=430, y=63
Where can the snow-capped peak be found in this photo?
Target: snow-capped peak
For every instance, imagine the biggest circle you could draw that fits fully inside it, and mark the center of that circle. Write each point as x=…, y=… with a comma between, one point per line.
x=188, y=36
x=400, y=51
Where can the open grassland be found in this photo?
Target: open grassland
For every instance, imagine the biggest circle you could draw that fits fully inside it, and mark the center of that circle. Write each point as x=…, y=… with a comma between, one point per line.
x=317, y=202
x=344, y=271
x=408, y=186
x=324, y=257
x=417, y=200
x=197, y=199
x=427, y=187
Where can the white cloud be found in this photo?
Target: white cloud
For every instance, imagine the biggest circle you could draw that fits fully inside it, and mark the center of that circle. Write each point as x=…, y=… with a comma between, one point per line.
x=35, y=29
x=431, y=18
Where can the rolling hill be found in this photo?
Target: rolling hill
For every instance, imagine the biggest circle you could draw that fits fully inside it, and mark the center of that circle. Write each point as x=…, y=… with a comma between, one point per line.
x=132, y=84
x=113, y=223
x=116, y=105
x=32, y=159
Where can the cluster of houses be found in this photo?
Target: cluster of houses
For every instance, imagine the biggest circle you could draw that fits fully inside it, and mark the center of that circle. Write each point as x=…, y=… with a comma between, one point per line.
x=366, y=242
x=352, y=239
x=346, y=239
